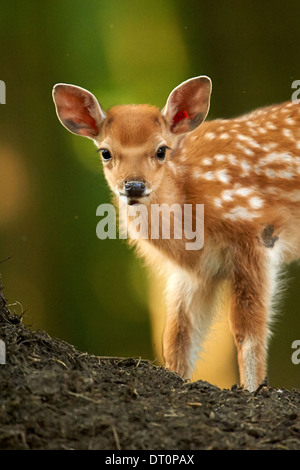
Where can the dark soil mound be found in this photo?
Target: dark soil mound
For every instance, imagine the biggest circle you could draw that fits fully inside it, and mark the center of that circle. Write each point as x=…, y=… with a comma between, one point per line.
x=55, y=397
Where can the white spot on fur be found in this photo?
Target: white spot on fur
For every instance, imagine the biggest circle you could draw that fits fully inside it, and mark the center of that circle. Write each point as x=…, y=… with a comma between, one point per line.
x=271, y=126
x=287, y=133
x=253, y=143
x=289, y=121
x=240, y=146
x=243, y=191
x=270, y=173
x=207, y=161
x=271, y=157
x=246, y=167
x=210, y=135
x=255, y=202
x=253, y=131
x=249, y=152
x=227, y=195
x=209, y=175
x=242, y=137
x=232, y=159
x=218, y=202
x=286, y=157
x=269, y=147
x=286, y=174
x=279, y=157
x=222, y=176
x=219, y=157
x=241, y=213
x=225, y=135
x=262, y=130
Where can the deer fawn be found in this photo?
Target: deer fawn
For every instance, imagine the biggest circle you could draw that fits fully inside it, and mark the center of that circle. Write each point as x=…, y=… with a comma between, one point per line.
x=246, y=172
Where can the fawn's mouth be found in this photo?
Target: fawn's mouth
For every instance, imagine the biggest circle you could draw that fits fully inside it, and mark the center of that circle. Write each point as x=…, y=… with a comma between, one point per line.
x=133, y=200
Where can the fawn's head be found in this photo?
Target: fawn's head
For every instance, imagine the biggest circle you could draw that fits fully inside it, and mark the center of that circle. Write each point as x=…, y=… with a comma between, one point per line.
x=134, y=140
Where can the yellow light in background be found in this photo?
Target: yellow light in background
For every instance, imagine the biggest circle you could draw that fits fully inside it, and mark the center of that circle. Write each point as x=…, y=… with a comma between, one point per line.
x=14, y=186
x=17, y=206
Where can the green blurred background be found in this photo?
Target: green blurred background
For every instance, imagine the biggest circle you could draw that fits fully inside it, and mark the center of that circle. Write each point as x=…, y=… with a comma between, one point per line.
x=89, y=292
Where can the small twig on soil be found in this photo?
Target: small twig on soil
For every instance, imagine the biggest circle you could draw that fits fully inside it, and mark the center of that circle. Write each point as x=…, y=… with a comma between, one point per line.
x=80, y=395
x=20, y=315
x=116, y=437
x=138, y=362
x=59, y=362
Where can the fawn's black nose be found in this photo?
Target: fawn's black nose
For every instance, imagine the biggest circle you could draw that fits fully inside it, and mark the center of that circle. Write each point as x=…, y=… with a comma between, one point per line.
x=134, y=188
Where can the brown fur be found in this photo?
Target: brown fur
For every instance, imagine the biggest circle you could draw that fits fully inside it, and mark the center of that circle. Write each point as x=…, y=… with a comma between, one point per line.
x=246, y=172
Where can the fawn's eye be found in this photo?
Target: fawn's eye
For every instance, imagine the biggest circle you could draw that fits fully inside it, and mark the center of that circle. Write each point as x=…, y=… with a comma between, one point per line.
x=161, y=152
x=106, y=155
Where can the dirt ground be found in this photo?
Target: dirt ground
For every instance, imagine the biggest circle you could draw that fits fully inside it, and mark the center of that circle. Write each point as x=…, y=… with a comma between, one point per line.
x=55, y=397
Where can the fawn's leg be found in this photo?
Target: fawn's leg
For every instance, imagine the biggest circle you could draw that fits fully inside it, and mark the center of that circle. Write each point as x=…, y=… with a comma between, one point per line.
x=252, y=288
x=191, y=307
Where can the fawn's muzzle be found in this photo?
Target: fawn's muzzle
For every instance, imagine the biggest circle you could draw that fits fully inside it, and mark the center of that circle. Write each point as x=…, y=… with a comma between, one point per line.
x=134, y=188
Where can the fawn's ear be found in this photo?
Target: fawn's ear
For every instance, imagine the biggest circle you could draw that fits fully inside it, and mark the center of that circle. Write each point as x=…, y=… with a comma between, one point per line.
x=78, y=110
x=188, y=105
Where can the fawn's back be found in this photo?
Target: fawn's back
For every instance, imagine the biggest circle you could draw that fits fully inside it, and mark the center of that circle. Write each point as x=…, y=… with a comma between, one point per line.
x=246, y=171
